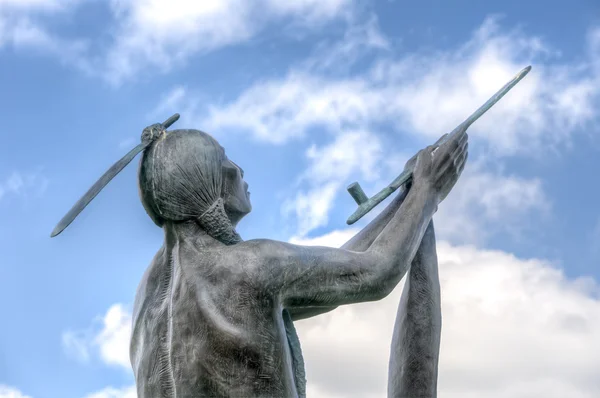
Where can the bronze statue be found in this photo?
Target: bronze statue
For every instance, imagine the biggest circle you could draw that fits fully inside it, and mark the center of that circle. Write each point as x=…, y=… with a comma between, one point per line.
x=214, y=315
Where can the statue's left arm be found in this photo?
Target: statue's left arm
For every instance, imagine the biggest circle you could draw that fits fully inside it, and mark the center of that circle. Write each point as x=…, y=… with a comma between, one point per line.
x=415, y=348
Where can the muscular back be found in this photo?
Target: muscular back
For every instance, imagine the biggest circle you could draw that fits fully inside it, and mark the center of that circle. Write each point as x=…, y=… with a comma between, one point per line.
x=202, y=328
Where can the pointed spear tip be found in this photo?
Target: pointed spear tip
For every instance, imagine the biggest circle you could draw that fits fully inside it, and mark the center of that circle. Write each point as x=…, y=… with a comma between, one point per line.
x=525, y=70
x=522, y=73
x=56, y=231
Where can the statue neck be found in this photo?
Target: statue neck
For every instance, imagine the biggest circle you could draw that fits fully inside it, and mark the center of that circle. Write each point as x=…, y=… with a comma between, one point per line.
x=218, y=225
x=213, y=225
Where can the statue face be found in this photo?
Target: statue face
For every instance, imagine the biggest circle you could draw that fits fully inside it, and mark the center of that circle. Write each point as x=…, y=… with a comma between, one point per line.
x=235, y=192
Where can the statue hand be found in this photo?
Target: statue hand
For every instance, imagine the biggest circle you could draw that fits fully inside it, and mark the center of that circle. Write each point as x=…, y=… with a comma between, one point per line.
x=439, y=167
x=410, y=164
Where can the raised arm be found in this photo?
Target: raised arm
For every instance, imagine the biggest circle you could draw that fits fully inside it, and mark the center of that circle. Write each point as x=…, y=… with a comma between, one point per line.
x=308, y=276
x=359, y=243
x=416, y=339
x=366, y=236
x=319, y=276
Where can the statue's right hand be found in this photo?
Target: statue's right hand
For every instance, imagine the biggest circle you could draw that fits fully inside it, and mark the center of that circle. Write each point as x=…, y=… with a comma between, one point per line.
x=440, y=168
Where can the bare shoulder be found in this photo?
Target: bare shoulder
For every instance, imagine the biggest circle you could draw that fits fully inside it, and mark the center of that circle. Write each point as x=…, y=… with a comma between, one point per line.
x=261, y=251
x=266, y=248
x=263, y=259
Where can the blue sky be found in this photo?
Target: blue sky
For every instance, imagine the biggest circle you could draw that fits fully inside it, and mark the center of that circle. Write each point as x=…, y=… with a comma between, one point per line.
x=307, y=96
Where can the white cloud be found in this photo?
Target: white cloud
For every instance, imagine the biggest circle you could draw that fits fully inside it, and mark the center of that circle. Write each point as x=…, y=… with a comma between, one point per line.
x=162, y=33
x=23, y=27
x=23, y=184
x=113, y=340
x=108, y=337
x=425, y=95
x=11, y=392
x=76, y=344
x=171, y=101
x=311, y=11
x=512, y=328
x=155, y=34
x=311, y=208
x=329, y=167
x=332, y=239
x=428, y=94
x=277, y=111
x=35, y=5
x=484, y=202
x=359, y=40
x=111, y=392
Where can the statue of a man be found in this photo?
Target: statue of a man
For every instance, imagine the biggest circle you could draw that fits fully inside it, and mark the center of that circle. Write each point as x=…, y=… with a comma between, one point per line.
x=213, y=315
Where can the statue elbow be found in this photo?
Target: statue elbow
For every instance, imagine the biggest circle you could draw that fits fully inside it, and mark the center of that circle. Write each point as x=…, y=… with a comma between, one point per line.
x=390, y=279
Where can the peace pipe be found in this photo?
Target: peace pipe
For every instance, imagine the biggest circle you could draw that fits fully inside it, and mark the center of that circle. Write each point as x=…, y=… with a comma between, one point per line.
x=366, y=204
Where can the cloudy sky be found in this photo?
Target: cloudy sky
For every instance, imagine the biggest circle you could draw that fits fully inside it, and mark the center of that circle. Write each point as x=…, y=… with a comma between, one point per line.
x=307, y=96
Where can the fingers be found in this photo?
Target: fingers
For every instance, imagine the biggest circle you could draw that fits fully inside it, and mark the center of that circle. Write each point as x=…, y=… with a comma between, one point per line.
x=444, y=162
x=462, y=147
x=448, y=179
x=423, y=164
x=457, y=146
x=449, y=166
x=459, y=136
x=451, y=147
x=422, y=154
x=461, y=164
x=450, y=160
x=462, y=130
x=464, y=138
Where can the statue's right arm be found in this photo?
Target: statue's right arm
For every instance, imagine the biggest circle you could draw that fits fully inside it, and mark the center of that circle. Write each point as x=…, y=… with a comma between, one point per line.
x=359, y=243
x=304, y=276
x=307, y=276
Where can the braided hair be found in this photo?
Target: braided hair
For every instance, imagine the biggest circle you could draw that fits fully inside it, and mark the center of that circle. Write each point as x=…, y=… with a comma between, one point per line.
x=181, y=178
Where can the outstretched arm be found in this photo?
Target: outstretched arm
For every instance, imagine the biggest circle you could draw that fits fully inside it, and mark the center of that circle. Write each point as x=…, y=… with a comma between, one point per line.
x=318, y=276
x=323, y=276
x=366, y=236
x=359, y=243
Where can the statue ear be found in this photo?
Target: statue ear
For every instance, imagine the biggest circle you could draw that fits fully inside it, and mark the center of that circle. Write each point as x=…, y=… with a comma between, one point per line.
x=149, y=134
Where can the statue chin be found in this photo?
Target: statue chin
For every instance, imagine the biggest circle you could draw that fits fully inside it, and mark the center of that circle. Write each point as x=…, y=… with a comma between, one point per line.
x=237, y=211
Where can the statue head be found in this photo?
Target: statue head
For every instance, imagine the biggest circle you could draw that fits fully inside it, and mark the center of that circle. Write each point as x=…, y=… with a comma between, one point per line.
x=185, y=175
